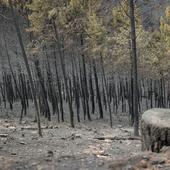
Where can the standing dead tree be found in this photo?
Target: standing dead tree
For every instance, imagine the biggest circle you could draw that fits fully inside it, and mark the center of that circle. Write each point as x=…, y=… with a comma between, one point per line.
x=14, y=16
x=134, y=68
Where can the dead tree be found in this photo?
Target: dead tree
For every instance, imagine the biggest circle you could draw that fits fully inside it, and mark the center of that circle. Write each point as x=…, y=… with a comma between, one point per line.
x=15, y=20
x=134, y=63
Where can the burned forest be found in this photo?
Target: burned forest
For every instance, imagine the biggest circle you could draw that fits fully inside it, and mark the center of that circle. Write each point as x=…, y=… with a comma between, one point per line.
x=84, y=85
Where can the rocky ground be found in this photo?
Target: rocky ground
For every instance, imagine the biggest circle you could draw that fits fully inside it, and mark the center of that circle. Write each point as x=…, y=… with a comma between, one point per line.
x=89, y=146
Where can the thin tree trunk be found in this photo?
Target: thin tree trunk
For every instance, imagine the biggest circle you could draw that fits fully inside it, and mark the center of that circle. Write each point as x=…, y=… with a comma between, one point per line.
x=64, y=75
x=135, y=74
x=44, y=92
x=27, y=65
x=107, y=92
x=98, y=91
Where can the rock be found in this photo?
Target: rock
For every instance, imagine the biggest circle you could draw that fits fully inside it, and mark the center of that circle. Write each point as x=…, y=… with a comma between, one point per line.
x=89, y=129
x=34, y=138
x=48, y=159
x=143, y=164
x=7, y=125
x=12, y=128
x=120, y=126
x=44, y=127
x=145, y=157
x=24, y=122
x=22, y=143
x=160, y=166
x=55, y=127
x=74, y=136
x=50, y=127
x=157, y=161
x=50, y=153
x=78, y=136
x=34, y=164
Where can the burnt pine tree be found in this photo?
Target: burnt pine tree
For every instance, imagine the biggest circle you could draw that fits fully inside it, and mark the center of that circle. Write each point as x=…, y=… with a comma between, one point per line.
x=14, y=17
x=134, y=68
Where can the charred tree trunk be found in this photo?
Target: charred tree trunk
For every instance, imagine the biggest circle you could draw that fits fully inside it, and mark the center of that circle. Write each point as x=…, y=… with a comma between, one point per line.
x=44, y=93
x=60, y=48
x=97, y=91
x=107, y=92
x=135, y=74
x=26, y=64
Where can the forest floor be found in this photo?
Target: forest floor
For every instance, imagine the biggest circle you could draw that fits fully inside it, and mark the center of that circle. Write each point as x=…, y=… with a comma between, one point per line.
x=89, y=146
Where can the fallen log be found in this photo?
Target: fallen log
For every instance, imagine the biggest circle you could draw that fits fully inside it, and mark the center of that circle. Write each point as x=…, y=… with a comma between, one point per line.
x=118, y=138
x=155, y=129
x=3, y=135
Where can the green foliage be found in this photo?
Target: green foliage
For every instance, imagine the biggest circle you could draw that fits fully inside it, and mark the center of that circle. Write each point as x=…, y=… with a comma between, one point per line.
x=120, y=17
x=165, y=27
x=152, y=55
x=20, y=4
x=40, y=11
x=76, y=17
x=164, y=43
x=76, y=6
x=96, y=34
x=121, y=51
x=73, y=16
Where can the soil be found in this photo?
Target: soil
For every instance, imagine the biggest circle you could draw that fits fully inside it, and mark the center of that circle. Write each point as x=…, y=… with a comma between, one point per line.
x=88, y=146
x=91, y=145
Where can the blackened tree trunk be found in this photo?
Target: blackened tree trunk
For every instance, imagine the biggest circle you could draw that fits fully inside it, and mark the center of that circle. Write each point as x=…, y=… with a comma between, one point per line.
x=27, y=65
x=15, y=82
x=134, y=63
x=97, y=91
x=44, y=93
x=60, y=48
x=59, y=88
x=91, y=90
x=107, y=92
x=85, y=86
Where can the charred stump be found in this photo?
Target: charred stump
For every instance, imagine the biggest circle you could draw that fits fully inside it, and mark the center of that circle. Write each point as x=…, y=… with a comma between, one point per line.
x=155, y=129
